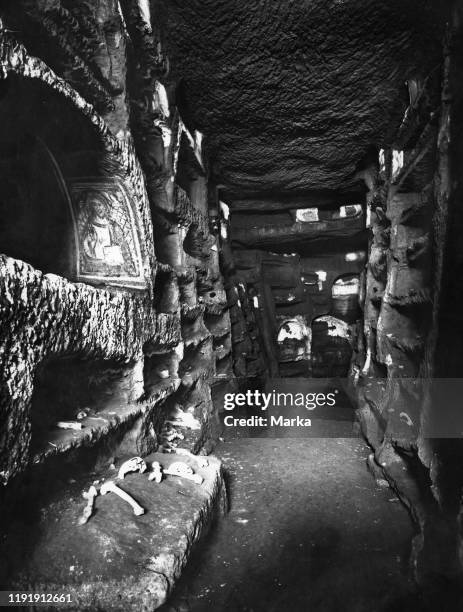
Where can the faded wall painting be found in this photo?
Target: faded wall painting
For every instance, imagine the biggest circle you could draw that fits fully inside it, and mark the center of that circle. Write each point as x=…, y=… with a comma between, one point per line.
x=107, y=238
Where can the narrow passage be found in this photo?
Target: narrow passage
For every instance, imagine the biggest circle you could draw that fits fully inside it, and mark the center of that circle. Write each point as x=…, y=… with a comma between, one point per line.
x=309, y=529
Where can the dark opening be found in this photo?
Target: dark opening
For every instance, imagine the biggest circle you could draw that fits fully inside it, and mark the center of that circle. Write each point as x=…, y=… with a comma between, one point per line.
x=82, y=392
x=43, y=138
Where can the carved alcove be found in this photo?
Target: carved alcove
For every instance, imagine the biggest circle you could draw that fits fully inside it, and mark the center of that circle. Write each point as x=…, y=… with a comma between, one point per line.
x=40, y=129
x=87, y=395
x=48, y=149
x=53, y=215
x=293, y=345
x=197, y=362
x=331, y=347
x=160, y=370
x=345, y=297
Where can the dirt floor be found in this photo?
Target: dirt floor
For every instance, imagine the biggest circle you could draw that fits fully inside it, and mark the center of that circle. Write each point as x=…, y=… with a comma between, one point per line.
x=309, y=529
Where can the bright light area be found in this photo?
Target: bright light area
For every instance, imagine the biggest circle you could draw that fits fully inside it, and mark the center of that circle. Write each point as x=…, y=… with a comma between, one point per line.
x=367, y=365
x=145, y=12
x=165, y=132
x=255, y=301
x=180, y=350
x=397, y=162
x=355, y=256
x=321, y=278
x=161, y=100
x=347, y=286
x=307, y=215
x=225, y=209
x=382, y=161
x=336, y=327
x=351, y=210
x=293, y=329
x=368, y=219
x=199, y=140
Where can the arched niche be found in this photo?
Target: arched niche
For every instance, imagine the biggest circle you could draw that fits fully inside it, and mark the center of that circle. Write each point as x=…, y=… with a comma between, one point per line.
x=331, y=347
x=345, y=297
x=65, y=207
x=43, y=135
x=293, y=339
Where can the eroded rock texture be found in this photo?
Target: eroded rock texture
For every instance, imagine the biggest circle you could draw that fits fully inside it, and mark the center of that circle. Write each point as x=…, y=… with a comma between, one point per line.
x=292, y=95
x=228, y=190
x=114, y=320
x=306, y=107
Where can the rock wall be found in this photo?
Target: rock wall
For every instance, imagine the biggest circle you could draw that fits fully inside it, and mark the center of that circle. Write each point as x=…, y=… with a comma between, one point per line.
x=406, y=309
x=145, y=350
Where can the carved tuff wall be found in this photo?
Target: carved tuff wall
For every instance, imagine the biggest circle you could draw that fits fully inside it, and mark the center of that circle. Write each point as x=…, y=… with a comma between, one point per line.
x=111, y=346
x=146, y=266
x=407, y=321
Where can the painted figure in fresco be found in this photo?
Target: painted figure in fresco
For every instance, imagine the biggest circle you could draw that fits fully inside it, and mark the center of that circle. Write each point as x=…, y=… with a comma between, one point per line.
x=104, y=245
x=102, y=239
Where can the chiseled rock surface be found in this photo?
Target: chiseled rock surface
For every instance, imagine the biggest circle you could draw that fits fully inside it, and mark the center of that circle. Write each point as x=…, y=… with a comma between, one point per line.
x=118, y=561
x=46, y=316
x=292, y=94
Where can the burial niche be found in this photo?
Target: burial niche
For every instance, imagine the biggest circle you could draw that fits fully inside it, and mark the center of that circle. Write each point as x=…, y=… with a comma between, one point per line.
x=331, y=347
x=293, y=343
x=345, y=297
x=72, y=397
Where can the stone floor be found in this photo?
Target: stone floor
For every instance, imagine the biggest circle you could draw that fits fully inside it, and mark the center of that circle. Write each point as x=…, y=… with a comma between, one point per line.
x=309, y=529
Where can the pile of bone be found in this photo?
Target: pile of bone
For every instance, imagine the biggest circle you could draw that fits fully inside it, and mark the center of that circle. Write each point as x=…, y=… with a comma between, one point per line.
x=156, y=472
x=178, y=418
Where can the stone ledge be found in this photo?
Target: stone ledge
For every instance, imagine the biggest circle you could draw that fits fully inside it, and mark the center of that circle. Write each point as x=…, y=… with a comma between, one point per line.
x=103, y=423
x=118, y=561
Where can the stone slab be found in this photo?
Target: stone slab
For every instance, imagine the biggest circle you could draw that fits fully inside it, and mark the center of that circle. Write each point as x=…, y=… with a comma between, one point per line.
x=118, y=561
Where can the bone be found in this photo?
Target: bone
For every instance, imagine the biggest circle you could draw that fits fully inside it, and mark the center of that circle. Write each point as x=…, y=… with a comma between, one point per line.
x=135, y=464
x=182, y=470
x=69, y=425
x=404, y=417
x=88, y=510
x=156, y=472
x=171, y=434
x=111, y=487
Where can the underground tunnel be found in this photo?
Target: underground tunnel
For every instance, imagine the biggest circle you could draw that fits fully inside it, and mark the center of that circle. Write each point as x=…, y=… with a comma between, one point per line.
x=231, y=345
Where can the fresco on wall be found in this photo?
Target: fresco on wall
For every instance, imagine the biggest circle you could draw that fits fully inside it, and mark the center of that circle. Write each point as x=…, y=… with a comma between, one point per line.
x=107, y=239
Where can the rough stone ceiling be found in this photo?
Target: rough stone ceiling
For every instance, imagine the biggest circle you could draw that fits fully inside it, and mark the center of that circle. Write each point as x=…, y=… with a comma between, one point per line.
x=292, y=94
